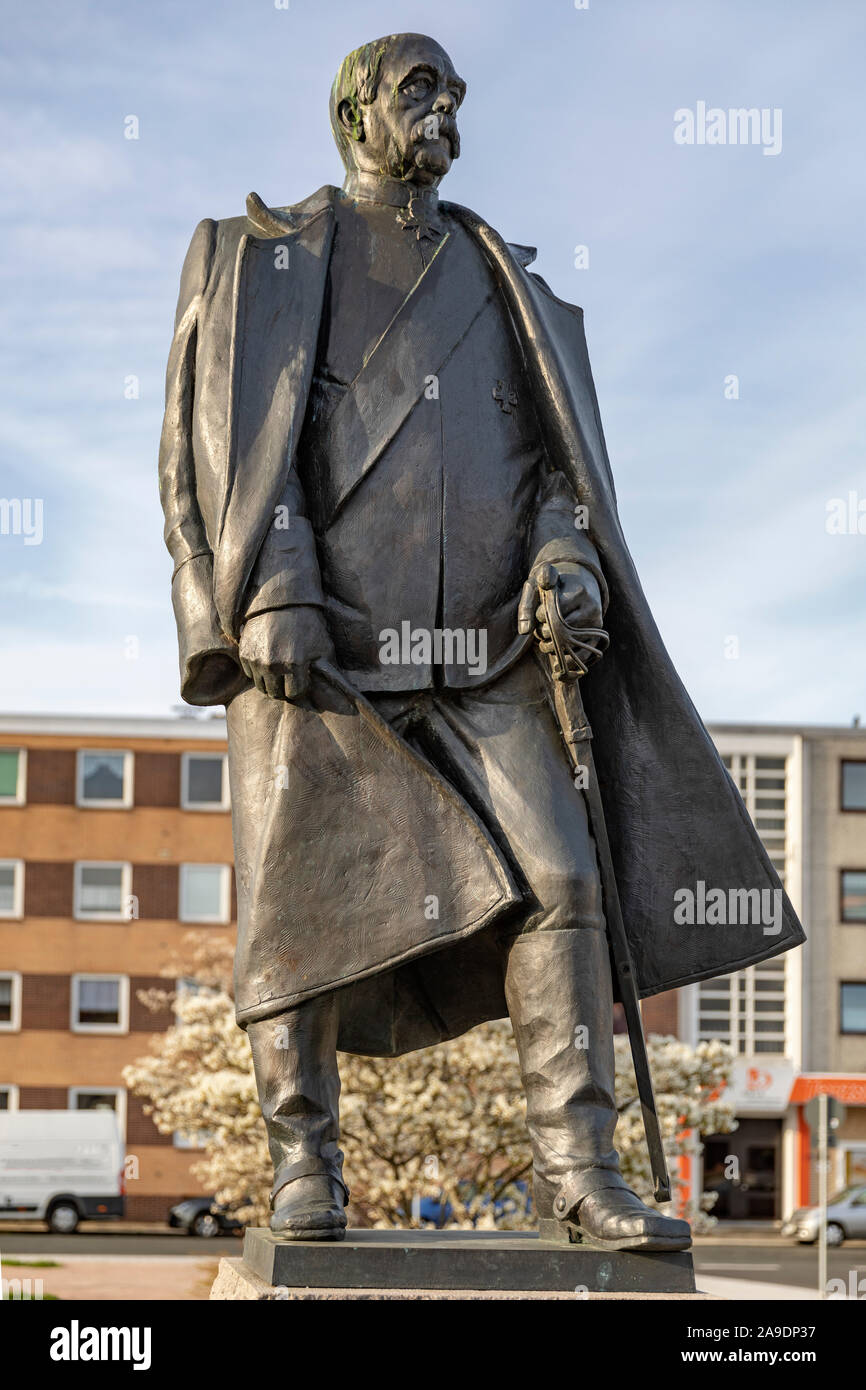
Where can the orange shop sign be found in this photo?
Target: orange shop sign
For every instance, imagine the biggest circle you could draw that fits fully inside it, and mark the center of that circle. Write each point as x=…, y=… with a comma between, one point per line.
x=850, y=1090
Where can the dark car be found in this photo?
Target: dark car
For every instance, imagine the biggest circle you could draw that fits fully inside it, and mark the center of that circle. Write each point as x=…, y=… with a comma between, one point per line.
x=201, y=1216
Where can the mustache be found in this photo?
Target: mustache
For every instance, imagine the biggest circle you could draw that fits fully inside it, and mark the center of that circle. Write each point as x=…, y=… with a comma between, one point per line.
x=446, y=129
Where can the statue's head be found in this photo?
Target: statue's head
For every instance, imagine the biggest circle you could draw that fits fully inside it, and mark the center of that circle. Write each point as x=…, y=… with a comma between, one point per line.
x=393, y=109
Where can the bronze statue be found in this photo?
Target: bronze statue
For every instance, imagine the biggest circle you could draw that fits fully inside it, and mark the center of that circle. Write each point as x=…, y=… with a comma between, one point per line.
x=396, y=543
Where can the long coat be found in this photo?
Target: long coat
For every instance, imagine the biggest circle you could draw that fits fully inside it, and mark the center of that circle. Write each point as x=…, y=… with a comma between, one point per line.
x=335, y=817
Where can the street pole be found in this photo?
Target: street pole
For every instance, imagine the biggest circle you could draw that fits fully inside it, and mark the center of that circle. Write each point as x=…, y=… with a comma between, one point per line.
x=823, y=1164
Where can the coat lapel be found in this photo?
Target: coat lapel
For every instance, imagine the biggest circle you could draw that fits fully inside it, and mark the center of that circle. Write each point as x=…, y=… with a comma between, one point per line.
x=279, y=289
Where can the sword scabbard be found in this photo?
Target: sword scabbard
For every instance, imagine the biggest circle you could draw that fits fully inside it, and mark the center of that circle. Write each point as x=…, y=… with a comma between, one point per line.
x=567, y=660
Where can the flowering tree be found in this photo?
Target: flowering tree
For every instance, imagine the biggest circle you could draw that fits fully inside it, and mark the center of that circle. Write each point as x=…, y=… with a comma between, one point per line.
x=446, y=1123
x=449, y=1123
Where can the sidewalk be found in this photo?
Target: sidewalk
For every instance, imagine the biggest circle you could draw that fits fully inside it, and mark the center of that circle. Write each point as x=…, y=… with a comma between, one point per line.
x=752, y=1290
x=122, y=1278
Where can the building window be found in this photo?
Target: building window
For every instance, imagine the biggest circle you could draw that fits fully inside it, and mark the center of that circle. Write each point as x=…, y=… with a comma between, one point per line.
x=104, y=780
x=102, y=892
x=205, y=892
x=191, y=1139
x=11, y=887
x=855, y=1164
x=853, y=895
x=762, y=783
x=204, y=782
x=100, y=1004
x=10, y=1001
x=100, y=1098
x=748, y=1010
x=13, y=776
x=8, y=1098
x=852, y=1007
x=853, y=786
x=745, y=1010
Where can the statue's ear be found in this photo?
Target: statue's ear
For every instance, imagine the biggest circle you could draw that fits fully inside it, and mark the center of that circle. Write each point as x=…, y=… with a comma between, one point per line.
x=350, y=118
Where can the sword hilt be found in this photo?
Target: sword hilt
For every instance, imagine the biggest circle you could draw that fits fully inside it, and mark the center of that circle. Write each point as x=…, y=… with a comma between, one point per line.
x=574, y=649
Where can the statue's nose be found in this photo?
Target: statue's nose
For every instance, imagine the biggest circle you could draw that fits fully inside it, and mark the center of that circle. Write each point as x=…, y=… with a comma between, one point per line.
x=444, y=102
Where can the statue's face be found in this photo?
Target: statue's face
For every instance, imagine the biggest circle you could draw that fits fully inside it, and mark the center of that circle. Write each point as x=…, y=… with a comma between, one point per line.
x=410, y=130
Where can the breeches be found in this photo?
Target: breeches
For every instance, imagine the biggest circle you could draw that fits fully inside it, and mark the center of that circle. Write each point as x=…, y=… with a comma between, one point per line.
x=501, y=750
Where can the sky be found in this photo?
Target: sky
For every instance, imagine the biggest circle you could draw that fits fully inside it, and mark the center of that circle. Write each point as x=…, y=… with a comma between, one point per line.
x=723, y=295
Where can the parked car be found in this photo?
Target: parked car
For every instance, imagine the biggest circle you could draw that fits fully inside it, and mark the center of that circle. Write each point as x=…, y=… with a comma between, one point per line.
x=200, y=1216
x=437, y=1212
x=846, y=1219
x=61, y=1167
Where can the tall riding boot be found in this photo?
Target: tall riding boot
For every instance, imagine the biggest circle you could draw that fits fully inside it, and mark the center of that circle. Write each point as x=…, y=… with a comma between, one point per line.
x=295, y=1060
x=558, y=989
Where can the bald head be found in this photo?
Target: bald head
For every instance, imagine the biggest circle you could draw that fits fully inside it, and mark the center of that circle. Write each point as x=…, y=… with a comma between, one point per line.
x=393, y=106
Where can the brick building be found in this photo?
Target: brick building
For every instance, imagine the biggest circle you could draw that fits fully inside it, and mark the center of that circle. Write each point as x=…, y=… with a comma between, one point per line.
x=115, y=841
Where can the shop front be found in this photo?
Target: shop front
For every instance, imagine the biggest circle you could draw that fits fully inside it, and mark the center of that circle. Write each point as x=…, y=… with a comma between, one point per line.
x=745, y=1169
x=848, y=1144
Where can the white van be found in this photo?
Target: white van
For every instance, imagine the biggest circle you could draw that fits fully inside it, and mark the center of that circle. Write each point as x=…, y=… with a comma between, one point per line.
x=60, y=1166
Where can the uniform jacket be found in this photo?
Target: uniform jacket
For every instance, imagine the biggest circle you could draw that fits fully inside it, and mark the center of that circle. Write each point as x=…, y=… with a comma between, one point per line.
x=238, y=385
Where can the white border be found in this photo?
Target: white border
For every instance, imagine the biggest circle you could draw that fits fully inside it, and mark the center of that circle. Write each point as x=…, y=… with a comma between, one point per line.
x=17, y=911
x=225, y=894
x=186, y=803
x=125, y=890
x=123, y=1002
x=119, y=1092
x=125, y=801
x=14, y=1024
x=20, y=797
x=14, y=1095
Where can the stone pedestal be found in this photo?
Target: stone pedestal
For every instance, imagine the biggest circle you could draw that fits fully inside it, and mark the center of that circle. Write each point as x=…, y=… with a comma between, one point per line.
x=421, y=1264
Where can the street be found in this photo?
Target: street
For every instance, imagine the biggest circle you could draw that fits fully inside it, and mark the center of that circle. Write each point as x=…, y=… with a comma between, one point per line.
x=778, y=1262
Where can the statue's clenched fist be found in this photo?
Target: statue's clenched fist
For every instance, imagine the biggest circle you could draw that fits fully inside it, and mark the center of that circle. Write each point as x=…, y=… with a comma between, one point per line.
x=277, y=649
x=579, y=595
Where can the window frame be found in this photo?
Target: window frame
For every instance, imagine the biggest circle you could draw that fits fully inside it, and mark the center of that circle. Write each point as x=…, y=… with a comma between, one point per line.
x=126, y=801
x=14, y=1093
x=843, y=809
x=19, y=798
x=17, y=911
x=225, y=895
x=843, y=1031
x=99, y=1029
x=119, y=1092
x=843, y=920
x=14, y=1024
x=78, y=912
x=186, y=803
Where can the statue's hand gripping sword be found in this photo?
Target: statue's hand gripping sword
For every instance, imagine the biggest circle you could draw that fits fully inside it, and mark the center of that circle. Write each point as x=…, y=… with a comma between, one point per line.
x=570, y=652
